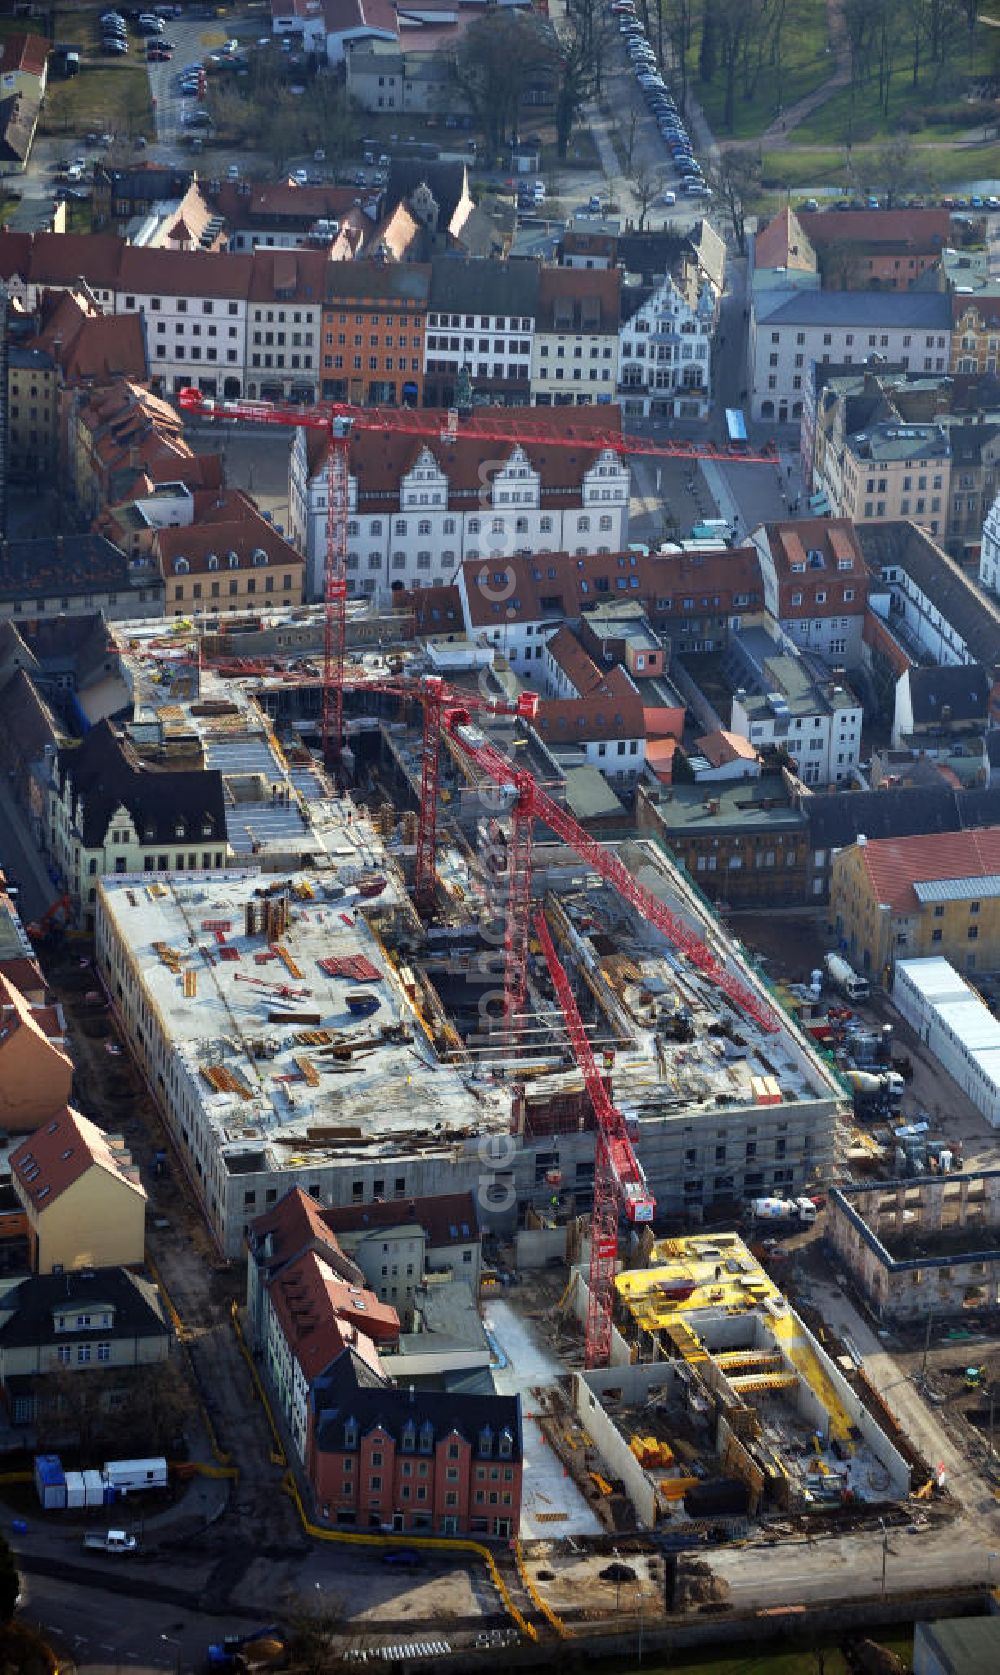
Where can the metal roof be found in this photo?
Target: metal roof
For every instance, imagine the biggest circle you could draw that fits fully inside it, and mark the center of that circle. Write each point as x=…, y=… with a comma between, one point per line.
x=957, y=889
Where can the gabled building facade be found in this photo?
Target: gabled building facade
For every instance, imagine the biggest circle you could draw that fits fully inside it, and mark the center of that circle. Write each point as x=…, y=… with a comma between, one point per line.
x=109, y=813
x=665, y=353
x=418, y=509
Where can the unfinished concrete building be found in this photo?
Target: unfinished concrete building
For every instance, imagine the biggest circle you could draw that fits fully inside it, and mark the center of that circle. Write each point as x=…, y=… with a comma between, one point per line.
x=354, y=1050
x=921, y=1247
x=720, y=1404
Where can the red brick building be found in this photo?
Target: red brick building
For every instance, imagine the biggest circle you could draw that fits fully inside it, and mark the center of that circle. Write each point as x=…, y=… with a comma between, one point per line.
x=376, y=1457
x=428, y=1461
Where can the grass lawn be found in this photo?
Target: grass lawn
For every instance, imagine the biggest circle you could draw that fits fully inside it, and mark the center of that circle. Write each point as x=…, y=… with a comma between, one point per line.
x=833, y=122
x=944, y=165
x=805, y=65
x=115, y=98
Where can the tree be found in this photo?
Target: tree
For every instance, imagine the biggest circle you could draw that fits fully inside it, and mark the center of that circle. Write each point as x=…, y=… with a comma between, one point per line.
x=577, y=82
x=675, y=19
x=310, y=1634
x=896, y=168
x=647, y=185
x=708, y=55
x=733, y=179
x=158, y=1406
x=496, y=56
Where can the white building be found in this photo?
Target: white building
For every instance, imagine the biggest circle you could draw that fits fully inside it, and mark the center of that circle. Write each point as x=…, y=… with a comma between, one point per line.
x=665, y=354
x=783, y=706
x=419, y=508
x=481, y=318
x=932, y=607
x=195, y=307
x=790, y=330
x=955, y=1025
x=574, y=353
x=989, y=553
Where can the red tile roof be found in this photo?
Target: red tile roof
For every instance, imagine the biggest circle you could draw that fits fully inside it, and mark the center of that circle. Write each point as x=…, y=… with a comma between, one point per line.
x=923, y=230
x=61, y=258
x=16, y=1013
x=23, y=52
x=835, y=540
x=379, y=460
x=91, y=348
x=578, y=300
x=448, y=1219
x=721, y=747
x=320, y=1316
x=295, y=1224
x=145, y=271
x=244, y=203
x=575, y=663
x=614, y=710
x=894, y=865
x=235, y=526
x=987, y=308
x=288, y=276
x=569, y=585
x=343, y=15
x=55, y=1157
x=783, y=244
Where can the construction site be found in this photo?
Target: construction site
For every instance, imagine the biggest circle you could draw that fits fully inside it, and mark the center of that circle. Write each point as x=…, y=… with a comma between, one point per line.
x=361, y=1003
x=719, y=1403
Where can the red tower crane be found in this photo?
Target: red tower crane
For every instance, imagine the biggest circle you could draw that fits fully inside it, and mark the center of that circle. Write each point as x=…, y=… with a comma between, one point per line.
x=528, y=803
x=619, y=1183
x=340, y=420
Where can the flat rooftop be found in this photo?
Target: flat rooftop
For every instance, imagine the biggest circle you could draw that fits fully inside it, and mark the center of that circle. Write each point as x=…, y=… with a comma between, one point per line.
x=284, y=1072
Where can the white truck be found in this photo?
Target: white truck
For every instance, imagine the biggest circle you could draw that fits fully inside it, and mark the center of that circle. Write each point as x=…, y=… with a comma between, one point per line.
x=111, y=1541
x=844, y=977
x=800, y=1210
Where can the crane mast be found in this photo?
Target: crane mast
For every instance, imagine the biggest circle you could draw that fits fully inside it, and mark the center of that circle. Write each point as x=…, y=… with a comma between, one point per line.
x=528, y=802
x=340, y=420
x=619, y=1183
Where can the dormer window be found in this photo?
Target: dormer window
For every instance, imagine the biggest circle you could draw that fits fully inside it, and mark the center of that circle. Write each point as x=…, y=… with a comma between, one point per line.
x=350, y=1433
x=426, y=1438
x=259, y=555
x=409, y=1441
x=206, y=828
x=486, y=1440
x=233, y=560
x=179, y=828
x=213, y=561
x=506, y=1444
x=181, y=567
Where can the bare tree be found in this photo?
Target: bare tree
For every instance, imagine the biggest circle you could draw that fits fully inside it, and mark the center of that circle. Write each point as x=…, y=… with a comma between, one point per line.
x=647, y=185
x=496, y=55
x=733, y=180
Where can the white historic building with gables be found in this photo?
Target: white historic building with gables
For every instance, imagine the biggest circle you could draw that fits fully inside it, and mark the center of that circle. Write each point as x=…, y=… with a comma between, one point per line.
x=419, y=508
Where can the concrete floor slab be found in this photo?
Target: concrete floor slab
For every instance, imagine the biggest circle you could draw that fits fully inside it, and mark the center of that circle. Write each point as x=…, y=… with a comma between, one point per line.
x=546, y=1488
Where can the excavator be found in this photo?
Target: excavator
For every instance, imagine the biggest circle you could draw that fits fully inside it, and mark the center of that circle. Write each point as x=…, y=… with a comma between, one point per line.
x=55, y=918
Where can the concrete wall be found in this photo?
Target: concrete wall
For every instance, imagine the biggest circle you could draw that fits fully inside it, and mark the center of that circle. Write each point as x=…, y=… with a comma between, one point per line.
x=536, y=1247
x=860, y=1219
x=611, y=1445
